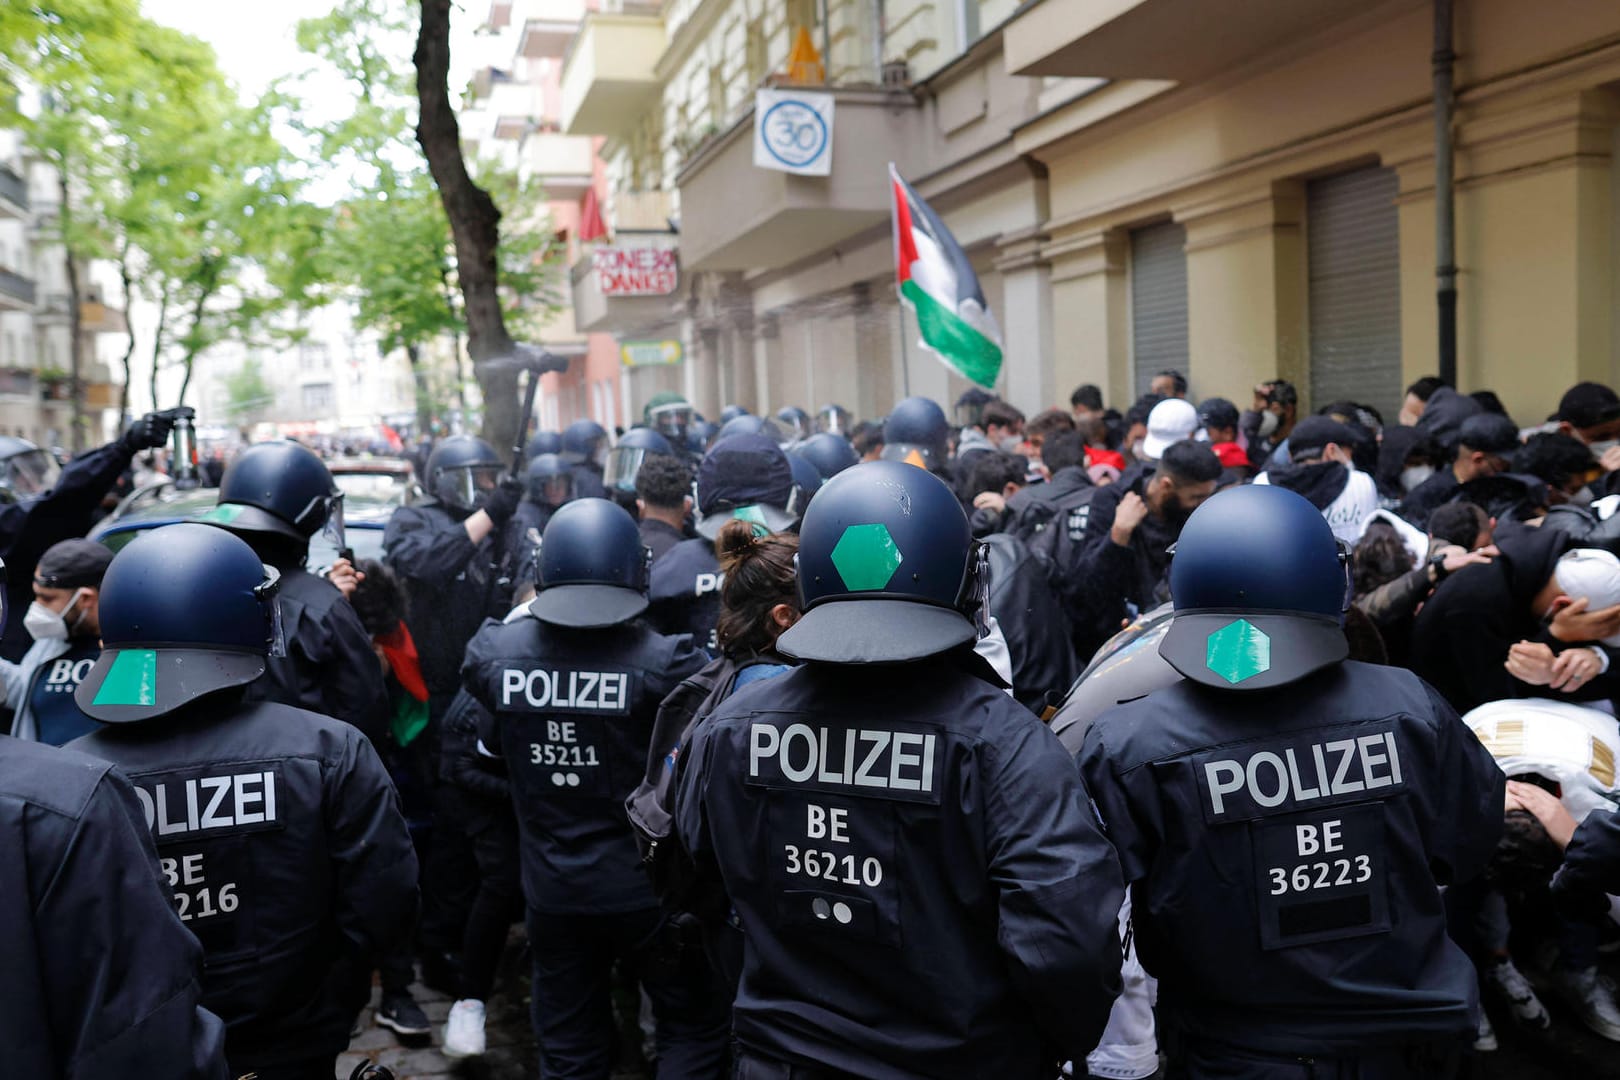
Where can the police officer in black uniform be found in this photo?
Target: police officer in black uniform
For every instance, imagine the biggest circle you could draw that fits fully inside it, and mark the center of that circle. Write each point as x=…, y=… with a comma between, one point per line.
x=746, y=476
x=624, y=461
x=548, y=484
x=278, y=830
x=91, y=988
x=922, y=888
x=276, y=496
x=1323, y=800
x=451, y=558
x=584, y=447
x=572, y=692
x=831, y=454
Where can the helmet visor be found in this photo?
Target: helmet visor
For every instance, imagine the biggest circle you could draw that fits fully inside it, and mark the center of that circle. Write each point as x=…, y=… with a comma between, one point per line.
x=911, y=453
x=672, y=421
x=833, y=420
x=266, y=592
x=30, y=472
x=462, y=485
x=623, y=462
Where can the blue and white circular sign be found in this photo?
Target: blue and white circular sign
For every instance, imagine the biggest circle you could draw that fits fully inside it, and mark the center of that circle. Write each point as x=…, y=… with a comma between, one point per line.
x=795, y=134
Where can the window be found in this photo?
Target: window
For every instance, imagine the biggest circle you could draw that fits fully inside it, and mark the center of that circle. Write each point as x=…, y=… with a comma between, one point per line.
x=317, y=398
x=1158, y=302
x=1353, y=255
x=313, y=356
x=755, y=53
x=801, y=14
x=717, y=96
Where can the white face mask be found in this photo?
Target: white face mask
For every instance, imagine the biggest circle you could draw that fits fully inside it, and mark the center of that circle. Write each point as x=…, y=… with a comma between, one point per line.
x=1600, y=448
x=43, y=624
x=1011, y=443
x=1269, y=422
x=1413, y=475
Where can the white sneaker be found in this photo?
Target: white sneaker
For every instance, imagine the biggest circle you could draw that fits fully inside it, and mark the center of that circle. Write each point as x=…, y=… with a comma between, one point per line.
x=1592, y=998
x=1515, y=989
x=1485, y=1040
x=464, y=1030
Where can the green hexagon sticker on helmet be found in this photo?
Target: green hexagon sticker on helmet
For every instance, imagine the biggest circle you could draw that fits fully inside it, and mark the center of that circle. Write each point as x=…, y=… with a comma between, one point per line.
x=1237, y=651
x=866, y=557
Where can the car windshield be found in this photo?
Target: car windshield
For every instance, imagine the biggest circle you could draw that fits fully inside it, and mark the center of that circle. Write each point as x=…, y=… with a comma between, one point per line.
x=378, y=486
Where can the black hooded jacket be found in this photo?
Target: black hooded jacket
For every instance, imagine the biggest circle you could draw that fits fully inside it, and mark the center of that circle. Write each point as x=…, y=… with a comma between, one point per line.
x=1444, y=414
x=1112, y=580
x=1462, y=636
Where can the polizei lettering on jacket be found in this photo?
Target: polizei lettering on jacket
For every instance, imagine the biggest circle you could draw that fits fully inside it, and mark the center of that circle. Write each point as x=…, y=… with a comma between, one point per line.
x=184, y=804
x=1352, y=763
x=543, y=690
x=890, y=762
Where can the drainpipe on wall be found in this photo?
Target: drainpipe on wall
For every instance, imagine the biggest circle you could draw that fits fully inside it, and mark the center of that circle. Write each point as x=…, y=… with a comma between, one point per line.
x=826, y=41
x=1445, y=261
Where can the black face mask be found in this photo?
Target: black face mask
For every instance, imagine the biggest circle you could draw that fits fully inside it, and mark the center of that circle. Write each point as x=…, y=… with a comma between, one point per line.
x=1175, y=515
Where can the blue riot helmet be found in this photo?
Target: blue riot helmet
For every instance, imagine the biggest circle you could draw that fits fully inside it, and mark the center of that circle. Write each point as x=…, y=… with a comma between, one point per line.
x=186, y=610
x=593, y=567
x=550, y=481
x=806, y=482
x=25, y=469
x=748, y=477
x=624, y=460
x=794, y=422
x=1260, y=586
x=544, y=442
x=834, y=420
x=731, y=412
x=917, y=433
x=751, y=425
x=700, y=436
x=830, y=454
x=888, y=569
x=582, y=441
x=460, y=469
x=279, y=487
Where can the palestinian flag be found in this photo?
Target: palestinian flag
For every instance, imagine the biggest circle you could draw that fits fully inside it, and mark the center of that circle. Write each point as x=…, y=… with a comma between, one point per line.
x=938, y=282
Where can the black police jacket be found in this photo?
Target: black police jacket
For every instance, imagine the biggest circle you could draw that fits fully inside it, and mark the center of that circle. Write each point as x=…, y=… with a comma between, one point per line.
x=571, y=712
x=450, y=584
x=520, y=537
x=685, y=592
x=97, y=975
x=29, y=527
x=923, y=889
x=1285, y=850
x=659, y=536
x=480, y=776
x=281, y=838
x=330, y=667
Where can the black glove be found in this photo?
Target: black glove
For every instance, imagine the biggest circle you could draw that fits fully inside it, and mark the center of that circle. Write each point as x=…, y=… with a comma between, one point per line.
x=501, y=503
x=148, y=433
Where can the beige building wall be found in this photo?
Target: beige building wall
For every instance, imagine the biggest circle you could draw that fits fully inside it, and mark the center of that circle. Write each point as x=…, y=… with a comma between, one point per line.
x=1536, y=198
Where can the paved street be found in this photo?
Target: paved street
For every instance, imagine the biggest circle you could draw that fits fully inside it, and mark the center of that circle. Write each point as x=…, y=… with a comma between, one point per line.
x=511, y=1045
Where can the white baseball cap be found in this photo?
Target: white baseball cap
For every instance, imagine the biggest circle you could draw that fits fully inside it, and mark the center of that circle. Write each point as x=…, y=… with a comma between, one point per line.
x=1171, y=421
x=1593, y=575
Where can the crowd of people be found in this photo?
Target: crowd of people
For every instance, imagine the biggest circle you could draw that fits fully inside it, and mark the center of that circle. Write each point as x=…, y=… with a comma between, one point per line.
x=747, y=719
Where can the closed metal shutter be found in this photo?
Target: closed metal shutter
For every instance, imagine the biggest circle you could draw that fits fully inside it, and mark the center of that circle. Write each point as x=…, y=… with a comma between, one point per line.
x=1355, y=290
x=1158, y=303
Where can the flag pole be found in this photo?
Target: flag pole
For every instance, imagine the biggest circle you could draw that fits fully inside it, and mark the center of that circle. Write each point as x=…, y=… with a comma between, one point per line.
x=900, y=301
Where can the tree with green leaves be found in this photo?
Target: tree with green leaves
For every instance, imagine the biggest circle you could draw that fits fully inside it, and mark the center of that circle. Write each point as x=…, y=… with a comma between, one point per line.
x=248, y=395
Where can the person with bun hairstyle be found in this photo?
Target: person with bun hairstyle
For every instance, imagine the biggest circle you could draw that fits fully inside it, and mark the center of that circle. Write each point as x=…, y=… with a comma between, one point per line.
x=758, y=600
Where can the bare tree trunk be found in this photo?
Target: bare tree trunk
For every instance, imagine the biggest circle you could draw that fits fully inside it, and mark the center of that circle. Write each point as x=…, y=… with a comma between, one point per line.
x=75, y=327
x=474, y=223
x=127, y=278
x=157, y=342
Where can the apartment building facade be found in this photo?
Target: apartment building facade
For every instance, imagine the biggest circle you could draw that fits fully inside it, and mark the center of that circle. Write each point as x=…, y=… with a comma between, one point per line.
x=1240, y=191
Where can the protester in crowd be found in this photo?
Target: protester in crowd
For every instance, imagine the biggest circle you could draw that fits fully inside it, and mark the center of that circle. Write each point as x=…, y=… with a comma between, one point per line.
x=65, y=622
x=867, y=439
x=1041, y=427
x=1218, y=423
x=1444, y=415
x=1406, y=458
x=1321, y=469
x=1591, y=412
x=1485, y=445
x=1035, y=507
x=1417, y=399
x=1563, y=463
x=1171, y=421
x=1509, y=629
x=1136, y=425
x=1169, y=383
x=1268, y=422
x=1129, y=528
x=1086, y=403
x=663, y=502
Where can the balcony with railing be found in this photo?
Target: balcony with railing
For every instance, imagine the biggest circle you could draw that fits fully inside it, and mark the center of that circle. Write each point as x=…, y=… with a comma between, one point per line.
x=608, y=80
x=13, y=194
x=16, y=291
